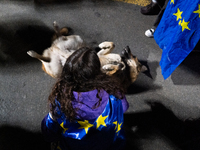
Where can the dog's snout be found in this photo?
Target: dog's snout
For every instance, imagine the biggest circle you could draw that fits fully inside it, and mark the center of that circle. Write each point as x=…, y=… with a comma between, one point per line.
x=126, y=53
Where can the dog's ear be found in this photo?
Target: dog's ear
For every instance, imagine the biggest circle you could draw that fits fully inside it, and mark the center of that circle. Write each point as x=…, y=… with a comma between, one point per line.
x=144, y=68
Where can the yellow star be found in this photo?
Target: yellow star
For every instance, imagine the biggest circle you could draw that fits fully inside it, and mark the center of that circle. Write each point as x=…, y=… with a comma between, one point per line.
x=101, y=121
x=115, y=124
x=178, y=14
x=64, y=129
x=85, y=125
x=172, y=1
x=184, y=25
x=58, y=147
x=119, y=127
x=197, y=11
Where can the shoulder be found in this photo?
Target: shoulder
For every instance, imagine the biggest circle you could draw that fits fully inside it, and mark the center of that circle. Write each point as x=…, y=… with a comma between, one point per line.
x=90, y=94
x=85, y=102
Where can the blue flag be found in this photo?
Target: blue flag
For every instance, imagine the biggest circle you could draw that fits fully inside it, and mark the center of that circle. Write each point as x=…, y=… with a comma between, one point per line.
x=177, y=33
x=109, y=122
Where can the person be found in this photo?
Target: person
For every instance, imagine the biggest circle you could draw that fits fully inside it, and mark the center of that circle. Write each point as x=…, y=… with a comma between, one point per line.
x=86, y=107
x=156, y=7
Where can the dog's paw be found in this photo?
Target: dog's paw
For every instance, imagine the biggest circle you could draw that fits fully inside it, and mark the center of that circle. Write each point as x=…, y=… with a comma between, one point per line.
x=55, y=24
x=121, y=66
x=107, y=68
x=106, y=45
x=32, y=53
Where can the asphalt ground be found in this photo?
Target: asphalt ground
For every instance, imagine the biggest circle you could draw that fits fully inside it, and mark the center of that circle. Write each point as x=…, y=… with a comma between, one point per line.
x=163, y=114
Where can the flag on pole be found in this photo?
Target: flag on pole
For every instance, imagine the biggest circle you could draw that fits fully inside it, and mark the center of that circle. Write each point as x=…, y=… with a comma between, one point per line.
x=177, y=33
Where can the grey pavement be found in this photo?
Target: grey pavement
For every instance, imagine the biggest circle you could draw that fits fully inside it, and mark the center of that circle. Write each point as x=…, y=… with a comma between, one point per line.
x=163, y=114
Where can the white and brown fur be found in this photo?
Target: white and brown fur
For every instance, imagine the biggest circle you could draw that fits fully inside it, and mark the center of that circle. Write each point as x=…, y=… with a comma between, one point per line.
x=54, y=57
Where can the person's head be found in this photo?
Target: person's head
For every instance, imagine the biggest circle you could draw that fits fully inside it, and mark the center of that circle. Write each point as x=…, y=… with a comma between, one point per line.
x=81, y=73
x=81, y=67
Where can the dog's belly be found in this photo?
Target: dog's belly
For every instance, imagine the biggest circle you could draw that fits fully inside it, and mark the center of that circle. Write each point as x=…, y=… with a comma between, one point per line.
x=72, y=42
x=55, y=66
x=54, y=69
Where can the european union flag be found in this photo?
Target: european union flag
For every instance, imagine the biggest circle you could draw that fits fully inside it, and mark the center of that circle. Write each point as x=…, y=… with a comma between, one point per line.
x=107, y=127
x=177, y=33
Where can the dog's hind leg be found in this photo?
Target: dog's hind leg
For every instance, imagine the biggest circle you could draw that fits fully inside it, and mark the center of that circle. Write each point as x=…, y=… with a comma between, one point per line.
x=56, y=29
x=59, y=32
x=38, y=56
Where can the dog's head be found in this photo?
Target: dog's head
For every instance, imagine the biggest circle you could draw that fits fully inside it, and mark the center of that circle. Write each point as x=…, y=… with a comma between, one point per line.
x=133, y=66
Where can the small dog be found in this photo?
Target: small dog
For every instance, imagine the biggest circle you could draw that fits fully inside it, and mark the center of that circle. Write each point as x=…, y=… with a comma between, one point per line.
x=54, y=57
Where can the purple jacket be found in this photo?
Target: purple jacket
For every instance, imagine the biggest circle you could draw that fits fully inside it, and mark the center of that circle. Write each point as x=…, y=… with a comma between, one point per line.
x=87, y=101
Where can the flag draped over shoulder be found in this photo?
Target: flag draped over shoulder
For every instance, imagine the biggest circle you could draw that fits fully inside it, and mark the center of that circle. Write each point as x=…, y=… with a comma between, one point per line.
x=110, y=121
x=105, y=128
x=177, y=33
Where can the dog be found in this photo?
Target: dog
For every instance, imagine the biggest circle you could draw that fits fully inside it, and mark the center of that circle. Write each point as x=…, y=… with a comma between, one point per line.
x=63, y=45
x=54, y=57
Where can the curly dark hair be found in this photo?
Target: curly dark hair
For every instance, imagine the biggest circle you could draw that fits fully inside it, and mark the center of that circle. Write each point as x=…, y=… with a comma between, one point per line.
x=81, y=73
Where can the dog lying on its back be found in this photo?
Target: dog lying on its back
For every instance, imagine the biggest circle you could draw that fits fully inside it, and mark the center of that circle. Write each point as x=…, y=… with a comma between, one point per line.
x=54, y=57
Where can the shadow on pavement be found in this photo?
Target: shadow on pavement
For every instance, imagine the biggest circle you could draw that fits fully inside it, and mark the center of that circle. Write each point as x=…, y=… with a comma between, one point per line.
x=189, y=69
x=15, y=138
x=197, y=47
x=161, y=126
x=145, y=80
x=26, y=35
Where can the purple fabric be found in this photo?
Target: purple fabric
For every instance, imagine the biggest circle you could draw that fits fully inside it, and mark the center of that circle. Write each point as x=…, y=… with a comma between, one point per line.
x=85, y=102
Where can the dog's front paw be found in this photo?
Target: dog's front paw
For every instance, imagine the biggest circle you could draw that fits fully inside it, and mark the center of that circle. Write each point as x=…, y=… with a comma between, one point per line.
x=121, y=66
x=32, y=53
x=106, y=45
